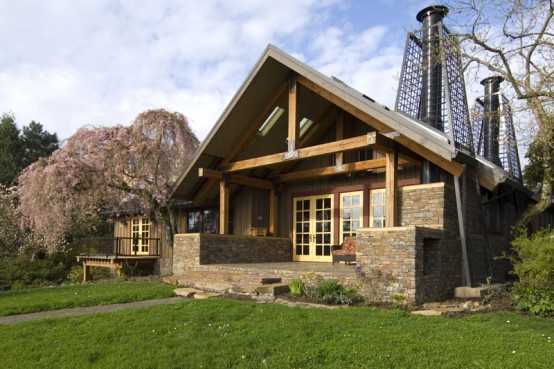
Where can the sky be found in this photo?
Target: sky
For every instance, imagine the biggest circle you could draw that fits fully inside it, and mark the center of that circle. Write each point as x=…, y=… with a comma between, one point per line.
x=69, y=63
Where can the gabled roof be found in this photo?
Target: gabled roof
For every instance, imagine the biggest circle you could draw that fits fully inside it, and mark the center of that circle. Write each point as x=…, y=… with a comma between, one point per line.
x=263, y=88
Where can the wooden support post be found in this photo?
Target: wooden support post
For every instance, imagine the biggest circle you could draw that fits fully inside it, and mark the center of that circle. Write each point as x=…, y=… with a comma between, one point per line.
x=86, y=272
x=391, y=187
x=223, y=206
x=272, y=212
x=293, y=115
x=339, y=157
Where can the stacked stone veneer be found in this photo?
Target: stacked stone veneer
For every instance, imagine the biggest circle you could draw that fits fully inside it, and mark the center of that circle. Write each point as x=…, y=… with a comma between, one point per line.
x=421, y=259
x=192, y=250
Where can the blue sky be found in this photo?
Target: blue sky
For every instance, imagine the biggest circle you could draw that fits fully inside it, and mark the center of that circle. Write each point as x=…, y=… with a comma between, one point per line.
x=67, y=63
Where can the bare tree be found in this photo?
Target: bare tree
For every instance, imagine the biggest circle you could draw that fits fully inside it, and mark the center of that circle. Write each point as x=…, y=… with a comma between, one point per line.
x=514, y=39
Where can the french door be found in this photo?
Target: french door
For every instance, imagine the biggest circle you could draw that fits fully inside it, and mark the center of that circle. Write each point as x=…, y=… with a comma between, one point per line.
x=313, y=228
x=140, y=233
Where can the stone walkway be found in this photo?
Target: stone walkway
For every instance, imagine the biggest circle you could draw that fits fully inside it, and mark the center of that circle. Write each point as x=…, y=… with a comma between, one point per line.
x=10, y=319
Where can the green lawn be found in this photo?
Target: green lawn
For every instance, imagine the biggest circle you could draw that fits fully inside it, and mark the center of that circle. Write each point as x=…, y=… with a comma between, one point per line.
x=220, y=333
x=53, y=298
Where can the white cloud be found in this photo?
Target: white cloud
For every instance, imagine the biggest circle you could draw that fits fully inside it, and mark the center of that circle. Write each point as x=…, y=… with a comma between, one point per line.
x=102, y=62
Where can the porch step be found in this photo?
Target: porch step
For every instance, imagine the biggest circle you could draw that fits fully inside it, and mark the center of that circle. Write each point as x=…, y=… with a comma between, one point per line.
x=273, y=289
x=271, y=280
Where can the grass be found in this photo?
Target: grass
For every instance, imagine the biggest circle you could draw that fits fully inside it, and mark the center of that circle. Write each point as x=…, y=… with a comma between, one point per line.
x=53, y=298
x=220, y=333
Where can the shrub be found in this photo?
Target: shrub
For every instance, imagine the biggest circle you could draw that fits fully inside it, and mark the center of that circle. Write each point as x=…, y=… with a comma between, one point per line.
x=25, y=271
x=329, y=291
x=296, y=287
x=533, y=264
x=536, y=300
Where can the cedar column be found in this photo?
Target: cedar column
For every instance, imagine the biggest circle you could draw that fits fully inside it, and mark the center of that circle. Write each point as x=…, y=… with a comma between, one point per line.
x=293, y=114
x=339, y=157
x=223, y=206
x=272, y=212
x=391, y=187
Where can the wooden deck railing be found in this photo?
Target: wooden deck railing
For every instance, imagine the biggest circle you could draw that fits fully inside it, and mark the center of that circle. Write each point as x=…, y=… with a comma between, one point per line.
x=120, y=246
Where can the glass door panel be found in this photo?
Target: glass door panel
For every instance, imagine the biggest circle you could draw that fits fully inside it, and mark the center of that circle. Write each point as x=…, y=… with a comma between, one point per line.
x=313, y=228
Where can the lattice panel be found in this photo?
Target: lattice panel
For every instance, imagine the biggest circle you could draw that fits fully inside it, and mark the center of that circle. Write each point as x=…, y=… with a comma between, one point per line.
x=408, y=98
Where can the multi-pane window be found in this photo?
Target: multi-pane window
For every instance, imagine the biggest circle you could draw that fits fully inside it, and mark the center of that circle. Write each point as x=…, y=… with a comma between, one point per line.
x=350, y=213
x=377, y=208
x=140, y=232
x=202, y=221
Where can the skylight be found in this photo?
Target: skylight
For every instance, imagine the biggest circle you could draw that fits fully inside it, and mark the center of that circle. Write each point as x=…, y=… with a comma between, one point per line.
x=305, y=124
x=270, y=121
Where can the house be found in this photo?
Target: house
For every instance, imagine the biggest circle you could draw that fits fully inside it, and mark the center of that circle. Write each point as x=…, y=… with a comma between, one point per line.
x=299, y=161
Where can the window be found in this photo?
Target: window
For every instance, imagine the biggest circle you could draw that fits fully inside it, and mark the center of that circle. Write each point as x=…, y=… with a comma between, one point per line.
x=202, y=221
x=305, y=124
x=140, y=232
x=270, y=121
x=350, y=213
x=377, y=208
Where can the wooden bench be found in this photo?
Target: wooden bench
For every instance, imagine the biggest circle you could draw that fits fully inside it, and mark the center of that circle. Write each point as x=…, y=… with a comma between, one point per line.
x=345, y=252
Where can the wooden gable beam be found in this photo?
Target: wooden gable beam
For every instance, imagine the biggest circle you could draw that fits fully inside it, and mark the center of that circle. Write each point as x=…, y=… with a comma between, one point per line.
x=308, y=137
x=235, y=178
x=429, y=152
x=331, y=170
x=370, y=139
x=293, y=114
x=207, y=187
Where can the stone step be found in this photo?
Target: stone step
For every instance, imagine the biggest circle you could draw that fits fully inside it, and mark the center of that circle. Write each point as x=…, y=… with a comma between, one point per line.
x=186, y=292
x=271, y=280
x=171, y=280
x=206, y=295
x=273, y=289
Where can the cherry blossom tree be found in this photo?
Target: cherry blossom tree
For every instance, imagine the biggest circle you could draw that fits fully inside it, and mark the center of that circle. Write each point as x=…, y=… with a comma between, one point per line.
x=102, y=170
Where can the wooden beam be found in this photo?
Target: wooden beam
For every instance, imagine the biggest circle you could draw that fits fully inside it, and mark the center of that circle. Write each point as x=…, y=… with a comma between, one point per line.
x=223, y=207
x=371, y=139
x=272, y=212
x=235, y=178
x=331, y=170
x=339, y=135
x=318, y=127
x=293, y=114
x=391, y=188
x=207, y=187
x=427, y=149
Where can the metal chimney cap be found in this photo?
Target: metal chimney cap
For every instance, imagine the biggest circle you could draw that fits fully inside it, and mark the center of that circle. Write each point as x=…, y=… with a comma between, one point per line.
x=492, y=79
x=439, y=9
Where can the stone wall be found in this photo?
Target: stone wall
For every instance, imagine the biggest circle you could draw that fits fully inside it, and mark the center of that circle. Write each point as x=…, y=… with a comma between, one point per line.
x=203, y=249
x=422, y=205
x=422, y=257
x=418, y=263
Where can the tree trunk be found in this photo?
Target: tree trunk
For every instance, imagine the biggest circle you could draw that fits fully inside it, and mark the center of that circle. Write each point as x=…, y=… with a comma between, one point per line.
x=544, y=138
